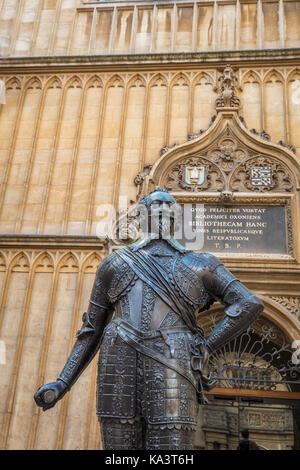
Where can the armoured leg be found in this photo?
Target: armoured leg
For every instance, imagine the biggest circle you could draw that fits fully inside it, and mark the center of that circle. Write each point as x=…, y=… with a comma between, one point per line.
x=121, y=436
x=147, y=405
x=164, y=438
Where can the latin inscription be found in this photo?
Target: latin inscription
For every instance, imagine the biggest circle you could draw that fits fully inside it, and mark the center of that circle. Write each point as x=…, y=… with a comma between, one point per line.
x=239, y=229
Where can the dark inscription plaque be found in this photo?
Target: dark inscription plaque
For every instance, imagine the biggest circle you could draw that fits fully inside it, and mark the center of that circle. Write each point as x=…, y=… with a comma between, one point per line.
x=236, y=229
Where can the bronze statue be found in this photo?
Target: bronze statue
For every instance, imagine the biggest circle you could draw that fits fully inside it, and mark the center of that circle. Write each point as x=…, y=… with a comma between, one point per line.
x=151, y=370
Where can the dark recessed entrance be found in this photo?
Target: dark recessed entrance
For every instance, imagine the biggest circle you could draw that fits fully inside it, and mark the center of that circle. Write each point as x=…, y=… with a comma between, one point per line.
x=257, y=387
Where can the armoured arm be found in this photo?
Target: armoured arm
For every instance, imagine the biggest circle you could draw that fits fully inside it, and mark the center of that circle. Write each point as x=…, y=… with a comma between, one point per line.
x=241, y=306
x=87, y=343
x=94, y=321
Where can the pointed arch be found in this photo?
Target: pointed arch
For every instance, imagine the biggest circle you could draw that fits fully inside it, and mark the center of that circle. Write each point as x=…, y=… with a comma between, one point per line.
x=53, y=82
x=180, y=97
x=274, y=105
x=264, y=350
x=247, y=143
x=293, y=106
x=180, y=79
x=115, y=82
x=20, y=262
x=274, y=312
x=281, y=317
x=34, y=83
x=273, y=76
x=91, y=263
x=13, y=84
x=251, y=98
x=3, y=262
x=293, y=75
x=137, y=81
x=131, y=139
x=89, y=123
x=252, y=77
x=203, y=77
x=158, y=80
x=68, y=263
x=157, y=116
x=111, y=142
x=94, y=82
x=203, y=101
x=47, y=126
x=44, y=262
x=74, y=82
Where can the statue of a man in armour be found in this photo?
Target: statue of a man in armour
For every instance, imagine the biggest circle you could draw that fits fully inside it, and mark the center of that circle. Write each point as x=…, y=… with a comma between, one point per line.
x=142, y=317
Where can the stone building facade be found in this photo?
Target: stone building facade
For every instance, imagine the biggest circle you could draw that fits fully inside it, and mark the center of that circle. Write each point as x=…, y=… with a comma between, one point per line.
x=102, y=101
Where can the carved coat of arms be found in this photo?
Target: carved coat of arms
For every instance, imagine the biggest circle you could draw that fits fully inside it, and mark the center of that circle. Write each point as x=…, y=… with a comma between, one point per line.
x=261, y=176
x=194, y=174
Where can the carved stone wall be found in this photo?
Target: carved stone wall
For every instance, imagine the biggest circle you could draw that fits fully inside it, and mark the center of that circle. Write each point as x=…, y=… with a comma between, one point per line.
x=44, y=293
x=291, y=303
x=75, y=27
x=230, y=165
x=72, y=142
x=270, y=427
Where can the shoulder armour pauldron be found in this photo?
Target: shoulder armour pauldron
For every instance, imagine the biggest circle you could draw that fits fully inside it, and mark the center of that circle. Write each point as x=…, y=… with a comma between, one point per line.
x=123, y=279
x=210, y=261
x=187, y=281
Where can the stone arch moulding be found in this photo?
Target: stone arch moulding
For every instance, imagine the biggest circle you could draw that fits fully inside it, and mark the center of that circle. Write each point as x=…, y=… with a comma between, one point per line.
x=230, y=164
x=277, y=314
x=239, y=166
x=262, y=356
x=232, y=157
x=223, y=149
x=235, y=165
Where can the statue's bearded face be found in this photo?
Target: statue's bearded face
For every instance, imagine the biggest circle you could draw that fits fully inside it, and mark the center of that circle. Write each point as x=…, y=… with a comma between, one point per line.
x=161, y=218
x=160, y=215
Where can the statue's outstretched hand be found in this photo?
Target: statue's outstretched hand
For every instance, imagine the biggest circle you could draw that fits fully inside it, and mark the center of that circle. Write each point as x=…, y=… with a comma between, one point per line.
x=48, y=395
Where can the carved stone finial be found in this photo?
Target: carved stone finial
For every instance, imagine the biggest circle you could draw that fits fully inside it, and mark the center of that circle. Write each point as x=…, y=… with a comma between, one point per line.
x=195, y=135
x=288, y=146
x=140, y=178
x=165, y=149
x=243, y=121
x=227, y=85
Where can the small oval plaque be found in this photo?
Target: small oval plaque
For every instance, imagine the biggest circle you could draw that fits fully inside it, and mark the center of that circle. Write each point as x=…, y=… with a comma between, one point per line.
x=49, y=396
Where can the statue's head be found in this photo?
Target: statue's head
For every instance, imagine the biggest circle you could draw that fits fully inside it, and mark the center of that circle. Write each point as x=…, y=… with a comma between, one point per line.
x=157, y=213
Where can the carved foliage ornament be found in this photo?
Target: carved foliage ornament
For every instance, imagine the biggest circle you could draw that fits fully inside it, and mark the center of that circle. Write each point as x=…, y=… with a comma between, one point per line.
x=263, y=134
x=227, y=83
x=227, y=154
x=140, y=178
x=290, y=303
x=229, y=166
x=180, y=177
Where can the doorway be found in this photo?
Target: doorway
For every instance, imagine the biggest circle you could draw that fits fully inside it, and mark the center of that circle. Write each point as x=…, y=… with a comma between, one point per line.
x=257, y=387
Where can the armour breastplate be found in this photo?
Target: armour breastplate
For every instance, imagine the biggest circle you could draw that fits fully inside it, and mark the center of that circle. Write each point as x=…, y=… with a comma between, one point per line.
x=137, y=303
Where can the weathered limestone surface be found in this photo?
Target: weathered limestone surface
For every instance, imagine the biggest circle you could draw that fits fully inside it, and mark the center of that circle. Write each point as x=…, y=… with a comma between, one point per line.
x=70, y=143
x=55, y=27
